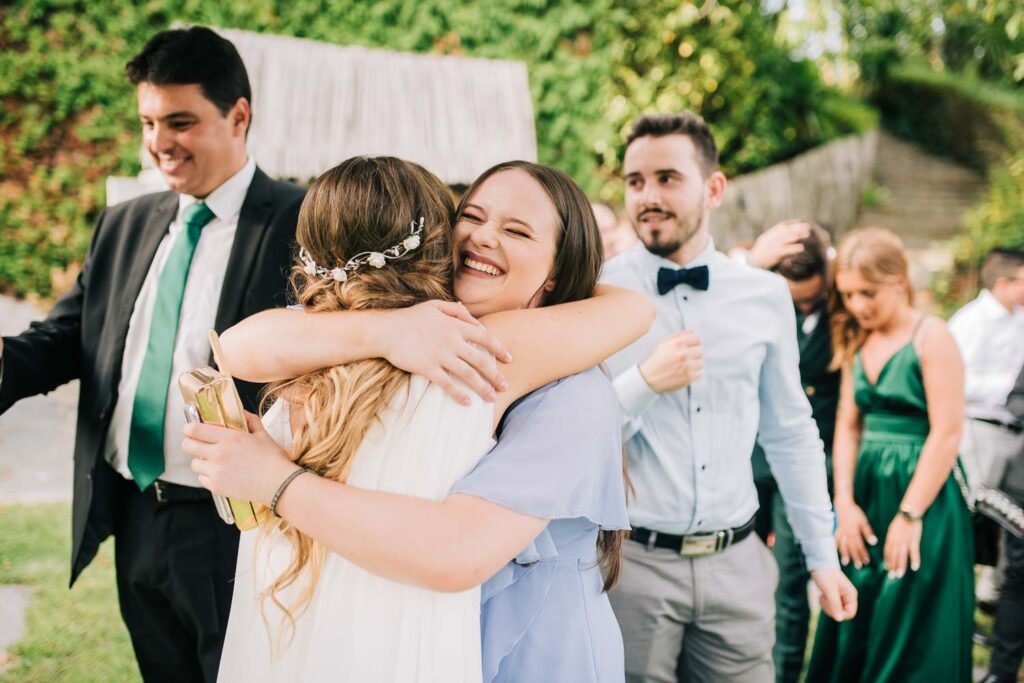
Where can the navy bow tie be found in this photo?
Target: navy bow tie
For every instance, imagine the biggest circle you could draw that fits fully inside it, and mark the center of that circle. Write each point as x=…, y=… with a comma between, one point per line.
x=696, y=277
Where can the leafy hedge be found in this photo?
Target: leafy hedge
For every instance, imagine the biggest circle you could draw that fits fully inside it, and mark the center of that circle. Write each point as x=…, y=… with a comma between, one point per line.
x=950, y=114
x=997, y=221
x=67, y=115
x=983, y=38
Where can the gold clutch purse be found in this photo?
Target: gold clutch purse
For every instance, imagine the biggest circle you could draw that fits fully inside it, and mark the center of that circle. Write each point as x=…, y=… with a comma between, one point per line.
x=211, y=398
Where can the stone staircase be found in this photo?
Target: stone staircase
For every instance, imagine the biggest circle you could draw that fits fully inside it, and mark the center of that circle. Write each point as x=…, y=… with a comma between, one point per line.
x=924, y=199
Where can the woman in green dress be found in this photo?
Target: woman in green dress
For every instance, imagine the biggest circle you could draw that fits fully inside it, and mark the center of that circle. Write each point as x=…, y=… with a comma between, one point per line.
x=904, y=532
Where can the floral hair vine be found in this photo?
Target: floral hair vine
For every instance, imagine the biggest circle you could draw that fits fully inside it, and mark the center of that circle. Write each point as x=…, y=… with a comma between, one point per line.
x=376, y=259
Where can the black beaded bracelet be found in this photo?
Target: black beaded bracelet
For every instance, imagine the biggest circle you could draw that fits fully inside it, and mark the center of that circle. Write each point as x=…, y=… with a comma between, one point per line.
x=283, y=486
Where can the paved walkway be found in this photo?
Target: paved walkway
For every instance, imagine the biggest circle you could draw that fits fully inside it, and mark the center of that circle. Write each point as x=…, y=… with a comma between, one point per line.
x=36, y=435
x=13, y=601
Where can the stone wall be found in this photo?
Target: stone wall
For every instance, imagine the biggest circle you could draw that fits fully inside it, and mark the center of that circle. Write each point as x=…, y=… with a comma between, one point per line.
x=825, y=184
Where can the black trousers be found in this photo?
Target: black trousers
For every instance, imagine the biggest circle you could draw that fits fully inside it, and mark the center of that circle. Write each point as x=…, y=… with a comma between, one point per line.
x=175, y=567
x=1008, y=635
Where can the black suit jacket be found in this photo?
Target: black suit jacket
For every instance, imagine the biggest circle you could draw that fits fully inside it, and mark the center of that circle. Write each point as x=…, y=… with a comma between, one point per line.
x=84, y=335
x=819, y=382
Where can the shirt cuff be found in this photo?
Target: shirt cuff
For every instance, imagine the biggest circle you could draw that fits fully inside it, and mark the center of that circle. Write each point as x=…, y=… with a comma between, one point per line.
x=821, y=553
x=635, y=394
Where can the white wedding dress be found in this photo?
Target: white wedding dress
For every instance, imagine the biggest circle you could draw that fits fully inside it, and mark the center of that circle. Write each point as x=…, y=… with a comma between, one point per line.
x=360, y=627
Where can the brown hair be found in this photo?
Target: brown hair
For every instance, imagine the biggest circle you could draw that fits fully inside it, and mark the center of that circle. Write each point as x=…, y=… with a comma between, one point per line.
x=812, y=261
x=1000, y=263
x=878, y=255
x=363, y=204
x=681, y=123
x=575, y=271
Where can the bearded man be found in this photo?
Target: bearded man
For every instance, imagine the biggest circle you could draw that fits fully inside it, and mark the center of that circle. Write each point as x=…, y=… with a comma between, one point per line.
x=718, y=368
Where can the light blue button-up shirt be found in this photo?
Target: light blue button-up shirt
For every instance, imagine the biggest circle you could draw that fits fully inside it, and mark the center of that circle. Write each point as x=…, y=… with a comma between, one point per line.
x=689, y=450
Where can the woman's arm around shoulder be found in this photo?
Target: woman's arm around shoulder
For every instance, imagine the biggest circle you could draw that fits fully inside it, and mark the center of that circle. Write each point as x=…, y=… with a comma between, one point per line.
x=439, y=340
x=552, y=342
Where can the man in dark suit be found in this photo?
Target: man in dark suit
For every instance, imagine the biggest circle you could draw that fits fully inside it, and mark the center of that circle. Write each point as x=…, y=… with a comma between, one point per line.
x=161, y=271
x=797, y=250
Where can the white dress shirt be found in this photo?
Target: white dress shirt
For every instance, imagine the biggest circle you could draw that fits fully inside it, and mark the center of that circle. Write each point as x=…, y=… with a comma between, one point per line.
x=991, y=341
x=198, y=313
x=689, y=450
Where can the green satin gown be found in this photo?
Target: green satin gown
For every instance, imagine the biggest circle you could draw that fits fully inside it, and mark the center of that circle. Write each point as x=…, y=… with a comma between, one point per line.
x=917, y=628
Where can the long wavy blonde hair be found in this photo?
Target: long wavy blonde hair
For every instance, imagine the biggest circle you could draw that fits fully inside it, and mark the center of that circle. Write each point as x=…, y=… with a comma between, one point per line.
x=878, y=255
x=363, y=204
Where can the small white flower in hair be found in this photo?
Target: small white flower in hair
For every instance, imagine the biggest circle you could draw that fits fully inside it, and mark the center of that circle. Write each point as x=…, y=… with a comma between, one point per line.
x=310, y=269
x=376, y=259
x=411, y=242
x=339, y=275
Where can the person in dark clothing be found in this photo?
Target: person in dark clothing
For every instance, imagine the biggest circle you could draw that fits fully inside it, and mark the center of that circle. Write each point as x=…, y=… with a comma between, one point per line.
x=1008, y=634
x=799, y=251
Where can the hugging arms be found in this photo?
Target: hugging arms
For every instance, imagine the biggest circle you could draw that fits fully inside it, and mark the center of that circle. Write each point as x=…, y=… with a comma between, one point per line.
x=396, y=536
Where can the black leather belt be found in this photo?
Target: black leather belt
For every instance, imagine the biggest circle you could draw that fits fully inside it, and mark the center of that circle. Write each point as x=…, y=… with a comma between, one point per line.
x=694, y=545
x=1016, y=429
x=166, y=492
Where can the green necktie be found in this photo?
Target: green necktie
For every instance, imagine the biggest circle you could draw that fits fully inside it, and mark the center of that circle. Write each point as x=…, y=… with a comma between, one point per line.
x=146, y=439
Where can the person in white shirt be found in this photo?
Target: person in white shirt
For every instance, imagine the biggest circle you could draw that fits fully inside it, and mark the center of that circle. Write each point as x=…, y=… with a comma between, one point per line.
x=718, y=368
x=990, y=333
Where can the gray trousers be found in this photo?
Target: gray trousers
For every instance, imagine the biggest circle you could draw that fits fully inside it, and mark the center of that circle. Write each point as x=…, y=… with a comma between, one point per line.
x=987, y=451
x=705, y=619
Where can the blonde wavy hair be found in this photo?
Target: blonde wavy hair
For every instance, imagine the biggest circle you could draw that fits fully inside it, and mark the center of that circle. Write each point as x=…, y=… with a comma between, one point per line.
x=878, y=255
x=363, y=204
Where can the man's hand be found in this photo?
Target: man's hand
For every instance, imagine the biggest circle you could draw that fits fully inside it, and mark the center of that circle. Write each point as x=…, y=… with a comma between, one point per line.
x=776, y=243
x=441, y=341
x=838, y=596
x=676, y=362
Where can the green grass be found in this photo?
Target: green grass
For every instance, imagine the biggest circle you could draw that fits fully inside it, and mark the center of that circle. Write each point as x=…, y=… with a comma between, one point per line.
x=70, y=635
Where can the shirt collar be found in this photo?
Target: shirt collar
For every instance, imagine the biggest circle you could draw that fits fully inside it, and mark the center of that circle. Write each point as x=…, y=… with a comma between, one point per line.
x=991, y=306
x=226, y=201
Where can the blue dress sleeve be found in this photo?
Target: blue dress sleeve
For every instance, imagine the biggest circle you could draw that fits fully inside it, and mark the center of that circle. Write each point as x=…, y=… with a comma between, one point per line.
x=559, y=455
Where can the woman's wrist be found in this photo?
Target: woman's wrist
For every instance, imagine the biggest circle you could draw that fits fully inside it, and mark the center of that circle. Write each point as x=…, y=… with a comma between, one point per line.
x=275, y=501
x=910, y=513
x=843, y=497
x=378, y=335
x=276, y=474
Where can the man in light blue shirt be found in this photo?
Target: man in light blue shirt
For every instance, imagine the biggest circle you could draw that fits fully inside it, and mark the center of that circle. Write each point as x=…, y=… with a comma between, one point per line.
x=718, y=368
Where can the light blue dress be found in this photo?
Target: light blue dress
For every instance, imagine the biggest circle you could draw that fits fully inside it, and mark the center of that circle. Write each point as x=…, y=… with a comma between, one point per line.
x=559, y=457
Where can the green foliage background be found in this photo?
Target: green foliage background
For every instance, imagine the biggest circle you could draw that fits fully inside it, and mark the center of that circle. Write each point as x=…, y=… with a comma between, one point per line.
x=949, y=75
x=67, y=115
